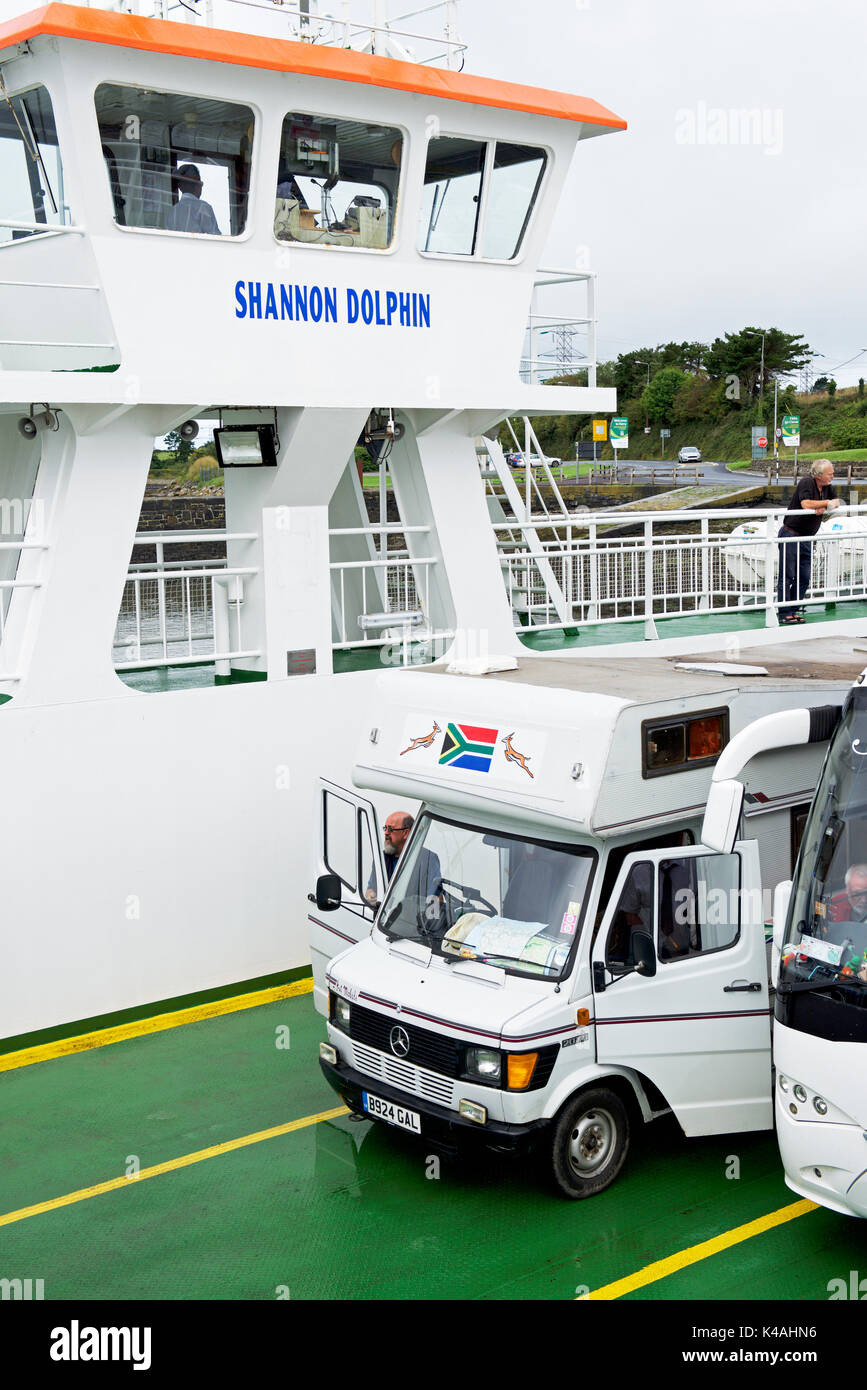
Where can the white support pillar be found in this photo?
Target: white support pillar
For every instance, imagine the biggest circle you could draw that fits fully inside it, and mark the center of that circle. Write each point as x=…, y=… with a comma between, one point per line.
x=314, y=447
x=297, y=601
x=456, y=496
x=91, y=486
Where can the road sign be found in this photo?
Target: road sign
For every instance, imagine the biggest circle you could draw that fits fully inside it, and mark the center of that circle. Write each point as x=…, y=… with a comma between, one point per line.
x=759, y=440
x=600, y=430
x=791, y=432
x=620, y=432
x=778, y=433
x=665, y=434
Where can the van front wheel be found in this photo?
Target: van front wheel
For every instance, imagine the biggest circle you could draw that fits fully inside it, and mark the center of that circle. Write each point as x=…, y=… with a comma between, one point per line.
x=590, y=1143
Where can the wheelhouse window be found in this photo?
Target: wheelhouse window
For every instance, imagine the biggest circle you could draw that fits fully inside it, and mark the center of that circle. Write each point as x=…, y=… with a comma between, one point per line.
x=31, y=185
x=337, y=182
x=478, y=197
x=506, y=901
x=175, y=163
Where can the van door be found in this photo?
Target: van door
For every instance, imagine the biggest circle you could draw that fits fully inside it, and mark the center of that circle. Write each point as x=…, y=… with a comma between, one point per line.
x=700, y=1027
x=348, y=846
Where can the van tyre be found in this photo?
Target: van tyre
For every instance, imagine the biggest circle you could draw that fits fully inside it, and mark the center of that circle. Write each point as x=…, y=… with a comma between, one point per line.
x=590, y=1143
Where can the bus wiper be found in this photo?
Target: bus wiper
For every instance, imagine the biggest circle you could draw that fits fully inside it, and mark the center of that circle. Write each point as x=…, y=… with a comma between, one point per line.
x=810, y=986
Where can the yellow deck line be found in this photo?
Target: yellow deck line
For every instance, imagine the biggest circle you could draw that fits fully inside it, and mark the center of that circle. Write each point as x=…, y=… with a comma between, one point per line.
x=661, y=1269
x=83, y=1042
x=185, y=1161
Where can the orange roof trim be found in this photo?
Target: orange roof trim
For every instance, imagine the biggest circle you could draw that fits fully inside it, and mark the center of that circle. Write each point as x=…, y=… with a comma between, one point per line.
x=281, y=55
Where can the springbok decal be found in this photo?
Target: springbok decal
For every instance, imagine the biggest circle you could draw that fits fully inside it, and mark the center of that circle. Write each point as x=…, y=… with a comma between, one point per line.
x=513, y=756
x=424, y=741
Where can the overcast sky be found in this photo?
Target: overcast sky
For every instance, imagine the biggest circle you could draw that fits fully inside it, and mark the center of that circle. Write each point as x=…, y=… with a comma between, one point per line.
x=691, y=236
x=698, y=219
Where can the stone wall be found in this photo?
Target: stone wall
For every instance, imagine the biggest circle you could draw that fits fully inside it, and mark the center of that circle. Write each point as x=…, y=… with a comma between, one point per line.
x=174, y=512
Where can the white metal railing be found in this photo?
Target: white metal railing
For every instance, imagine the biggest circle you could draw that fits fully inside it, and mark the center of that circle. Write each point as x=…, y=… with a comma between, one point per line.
x=9, y=586
x=41, y=229
x=537, y=364
x=392, y=578
x=306, y=25
x=401, y=582
x=182, y=612
x=707, y=567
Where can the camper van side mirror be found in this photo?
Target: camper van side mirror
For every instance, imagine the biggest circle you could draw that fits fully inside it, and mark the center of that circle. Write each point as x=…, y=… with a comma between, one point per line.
x=644, y=953
x=644, y=963
x=327, y=892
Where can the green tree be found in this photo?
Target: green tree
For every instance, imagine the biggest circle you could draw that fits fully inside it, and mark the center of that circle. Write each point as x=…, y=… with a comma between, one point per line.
x=740, y=355
x=657, y=400
x=820, y=384
x=181, y=448
x=832, y=387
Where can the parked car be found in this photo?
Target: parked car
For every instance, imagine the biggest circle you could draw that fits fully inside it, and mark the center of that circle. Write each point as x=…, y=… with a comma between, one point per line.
x=690, y=454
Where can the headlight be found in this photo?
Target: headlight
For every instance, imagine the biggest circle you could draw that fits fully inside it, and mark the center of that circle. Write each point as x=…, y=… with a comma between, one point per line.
x=340, y=1012
x=820, y=1105
x=484, y=1064
x=800, y=1094
x=784, y=1084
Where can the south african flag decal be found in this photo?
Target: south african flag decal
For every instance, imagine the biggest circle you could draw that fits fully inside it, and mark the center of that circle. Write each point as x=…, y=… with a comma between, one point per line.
x=469, y=747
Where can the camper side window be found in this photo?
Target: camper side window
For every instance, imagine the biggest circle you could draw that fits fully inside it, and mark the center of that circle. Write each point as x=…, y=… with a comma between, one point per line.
x=698, y=906
x=634, y=912
x=340, y=839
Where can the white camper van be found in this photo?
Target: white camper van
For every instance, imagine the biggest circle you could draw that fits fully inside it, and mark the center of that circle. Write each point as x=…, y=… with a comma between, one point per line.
x=557, y=957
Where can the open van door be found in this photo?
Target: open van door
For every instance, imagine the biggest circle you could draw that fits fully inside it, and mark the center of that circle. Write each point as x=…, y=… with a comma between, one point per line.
x=681, y=984
x=349, y=849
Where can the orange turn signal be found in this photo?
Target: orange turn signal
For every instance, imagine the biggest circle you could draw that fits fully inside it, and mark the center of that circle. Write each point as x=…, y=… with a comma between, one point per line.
x=520, y=1068
x=582, y=1018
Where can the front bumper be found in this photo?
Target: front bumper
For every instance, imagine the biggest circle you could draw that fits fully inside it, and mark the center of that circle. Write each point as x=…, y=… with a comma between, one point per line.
x=445, y=1129
x=824, y=1162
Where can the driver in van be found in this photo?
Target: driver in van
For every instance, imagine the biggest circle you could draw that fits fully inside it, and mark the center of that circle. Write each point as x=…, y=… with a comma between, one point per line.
x=425, y=881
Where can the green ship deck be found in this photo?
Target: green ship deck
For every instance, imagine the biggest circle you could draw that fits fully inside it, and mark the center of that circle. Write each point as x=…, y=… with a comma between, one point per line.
x=210, y=1161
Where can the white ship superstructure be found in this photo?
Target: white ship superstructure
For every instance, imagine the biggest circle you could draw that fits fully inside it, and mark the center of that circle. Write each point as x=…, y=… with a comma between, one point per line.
x=285, y=237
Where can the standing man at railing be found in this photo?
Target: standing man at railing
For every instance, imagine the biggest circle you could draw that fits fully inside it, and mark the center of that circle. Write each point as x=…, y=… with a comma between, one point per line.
x=813, y=497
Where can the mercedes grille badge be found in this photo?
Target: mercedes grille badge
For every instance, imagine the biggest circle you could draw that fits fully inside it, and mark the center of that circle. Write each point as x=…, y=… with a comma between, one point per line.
x=398, y=1040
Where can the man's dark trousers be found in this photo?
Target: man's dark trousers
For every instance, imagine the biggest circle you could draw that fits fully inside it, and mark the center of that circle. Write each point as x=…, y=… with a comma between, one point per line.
x=793, y=579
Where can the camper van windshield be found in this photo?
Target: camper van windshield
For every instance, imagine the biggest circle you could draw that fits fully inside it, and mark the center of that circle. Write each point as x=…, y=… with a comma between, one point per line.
x=472, y=894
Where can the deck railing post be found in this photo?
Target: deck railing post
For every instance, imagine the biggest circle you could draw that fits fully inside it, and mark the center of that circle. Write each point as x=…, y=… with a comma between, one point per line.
x=704, y=602
x=222, y=633
x=650, y=631
x=593, y=563
x=771, y=547
x=161, y=591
